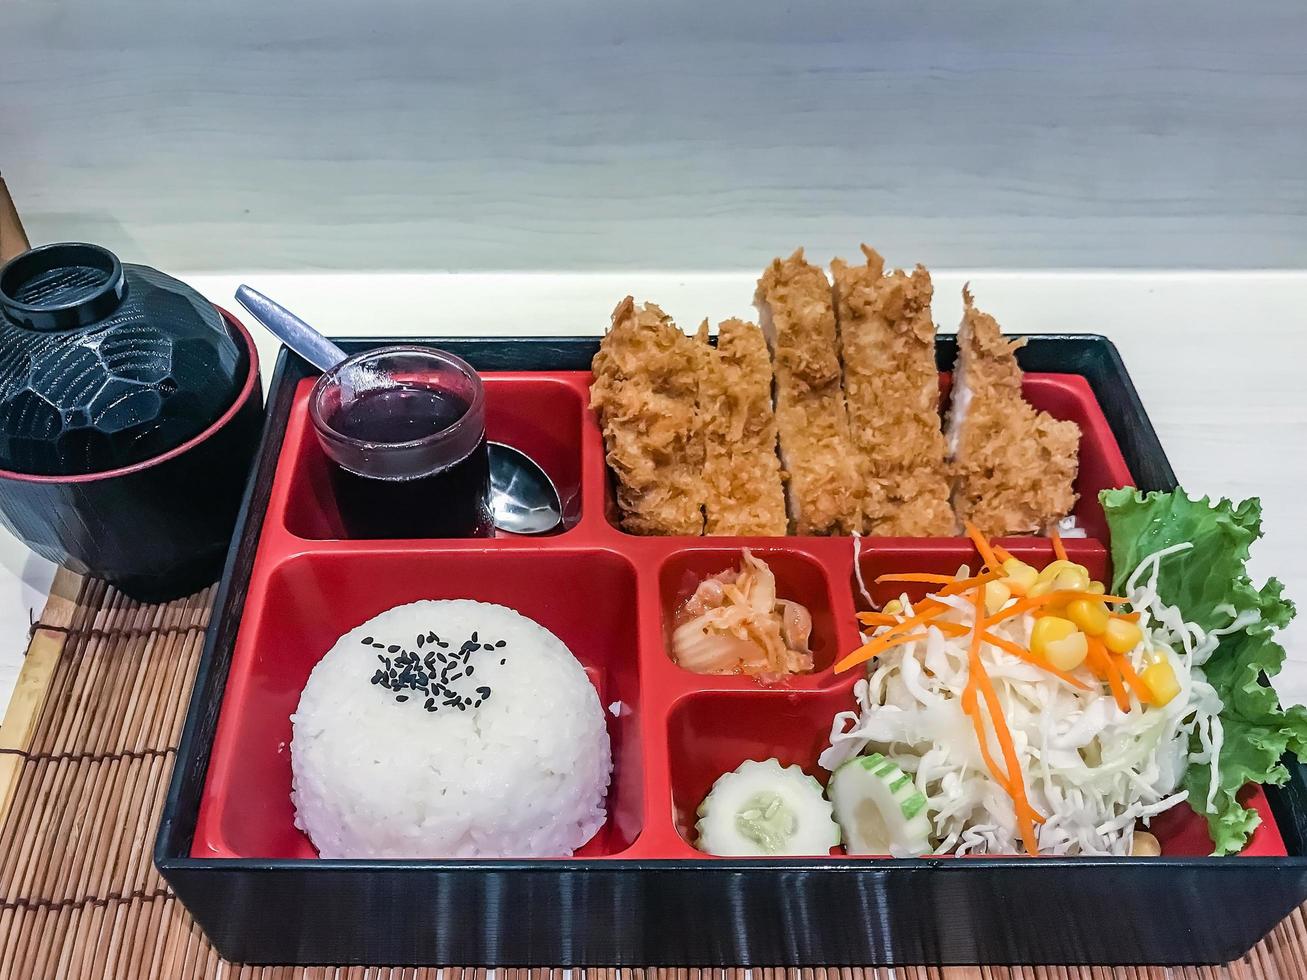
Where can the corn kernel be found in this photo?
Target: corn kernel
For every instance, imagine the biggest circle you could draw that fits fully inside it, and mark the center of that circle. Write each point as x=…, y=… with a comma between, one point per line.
x=1039, y=589
x=1049, y=629
x=1161, y=682
x=1071, y=580
x=1090, y=615
x=1050, y=571
x=893, y=608
x=1020, y=576
x=1067, y=654
x=1097, y=588
x=1121, y=635
x=996, y=594
x=1145, y=845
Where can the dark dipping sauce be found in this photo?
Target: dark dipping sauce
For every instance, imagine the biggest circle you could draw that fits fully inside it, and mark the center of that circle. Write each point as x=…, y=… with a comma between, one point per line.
x=453, y=502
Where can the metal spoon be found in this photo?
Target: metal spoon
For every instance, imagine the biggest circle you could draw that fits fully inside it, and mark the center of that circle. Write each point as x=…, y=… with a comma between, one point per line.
x=523, y=500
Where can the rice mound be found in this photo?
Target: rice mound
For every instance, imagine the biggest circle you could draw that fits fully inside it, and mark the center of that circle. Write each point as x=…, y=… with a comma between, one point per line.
x=519, y=772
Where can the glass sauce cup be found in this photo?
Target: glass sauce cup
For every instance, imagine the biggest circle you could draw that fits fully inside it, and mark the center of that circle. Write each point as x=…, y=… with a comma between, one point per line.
x=404, y=428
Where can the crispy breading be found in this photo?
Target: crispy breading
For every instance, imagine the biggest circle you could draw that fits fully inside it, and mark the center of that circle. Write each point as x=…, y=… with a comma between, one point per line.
x=1015, y=467
x=794, y=303
x=891, y=385
x=741, y=470
x=646, y=389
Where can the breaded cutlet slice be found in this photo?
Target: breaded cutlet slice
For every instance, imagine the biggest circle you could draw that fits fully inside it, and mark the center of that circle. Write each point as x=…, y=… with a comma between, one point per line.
x=891, y=385
x=742, y=473
x=646, y=390
x=794, y=304
x=1014, y=467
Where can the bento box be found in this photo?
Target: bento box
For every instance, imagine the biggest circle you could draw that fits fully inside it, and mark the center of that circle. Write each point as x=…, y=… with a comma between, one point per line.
x=639, y=893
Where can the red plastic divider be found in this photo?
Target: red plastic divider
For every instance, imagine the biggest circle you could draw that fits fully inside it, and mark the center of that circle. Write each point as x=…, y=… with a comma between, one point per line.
x=609, y=596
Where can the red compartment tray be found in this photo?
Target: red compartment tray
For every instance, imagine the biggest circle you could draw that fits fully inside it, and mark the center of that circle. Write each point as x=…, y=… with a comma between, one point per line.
x=609, y=596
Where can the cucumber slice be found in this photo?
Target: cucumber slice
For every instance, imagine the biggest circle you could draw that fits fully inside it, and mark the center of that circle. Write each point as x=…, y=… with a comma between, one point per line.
x=764, y=808
x=879, y=809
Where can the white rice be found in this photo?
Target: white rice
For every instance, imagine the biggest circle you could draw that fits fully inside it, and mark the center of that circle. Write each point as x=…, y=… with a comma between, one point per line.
x=522, y=774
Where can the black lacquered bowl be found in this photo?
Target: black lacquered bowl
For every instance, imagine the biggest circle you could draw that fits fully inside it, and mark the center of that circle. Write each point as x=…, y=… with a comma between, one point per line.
x=157, y=529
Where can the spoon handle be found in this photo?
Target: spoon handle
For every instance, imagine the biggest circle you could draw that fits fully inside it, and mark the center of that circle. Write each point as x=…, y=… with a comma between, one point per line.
x=291, y=330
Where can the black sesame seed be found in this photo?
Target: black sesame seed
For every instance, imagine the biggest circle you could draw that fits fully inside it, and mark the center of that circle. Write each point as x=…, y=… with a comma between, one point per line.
x=474, y=637
x=401, y=698
x=367, y=640
x=501, y=644
x=469, y=670
x=484, y=692
x=502, y=662
x=421, y=639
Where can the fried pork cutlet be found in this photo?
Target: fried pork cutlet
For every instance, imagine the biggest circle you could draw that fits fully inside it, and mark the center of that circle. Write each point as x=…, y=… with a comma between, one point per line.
x=645, y=389
x=741, y=470
x=891, y=385
x=1014, y=467
x=794, y=303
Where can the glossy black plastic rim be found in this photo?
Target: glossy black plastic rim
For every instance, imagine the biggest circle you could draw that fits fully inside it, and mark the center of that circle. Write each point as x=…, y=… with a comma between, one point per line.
x=1068, y=353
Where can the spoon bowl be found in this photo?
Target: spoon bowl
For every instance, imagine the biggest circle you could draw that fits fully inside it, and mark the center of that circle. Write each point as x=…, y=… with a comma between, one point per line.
x=523, y=499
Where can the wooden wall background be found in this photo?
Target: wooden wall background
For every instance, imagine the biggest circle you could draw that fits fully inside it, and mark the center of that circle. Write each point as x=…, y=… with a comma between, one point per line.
x=584, y=134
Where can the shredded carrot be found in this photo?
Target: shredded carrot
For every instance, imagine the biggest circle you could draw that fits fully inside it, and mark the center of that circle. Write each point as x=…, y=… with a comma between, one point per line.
x=1096, y=660
x=919, y=577
x=971, y=708
x=921, y=612
x=1021, y=653
x=967, y=584
x=1029, y=603
x=1018, y=651
x=1128, y=617
x=982, y=545
x=875, y=648
x=877, y=619
x=1002, y=554
x=1026, y=816
x=1059, y=548
x=1106, y=667
x=1118, y=689
x=951, y=629
x=1132, y=679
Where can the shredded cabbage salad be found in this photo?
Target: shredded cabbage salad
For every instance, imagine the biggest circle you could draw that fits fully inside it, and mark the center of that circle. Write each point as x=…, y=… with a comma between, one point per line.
x=1092, y=772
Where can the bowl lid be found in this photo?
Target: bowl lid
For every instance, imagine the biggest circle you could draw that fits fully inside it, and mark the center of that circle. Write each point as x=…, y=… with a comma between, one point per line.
x=105, y=364
x=62, y=286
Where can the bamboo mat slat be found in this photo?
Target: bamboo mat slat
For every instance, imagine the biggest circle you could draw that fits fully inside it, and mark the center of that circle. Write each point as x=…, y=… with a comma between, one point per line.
x=86, y=750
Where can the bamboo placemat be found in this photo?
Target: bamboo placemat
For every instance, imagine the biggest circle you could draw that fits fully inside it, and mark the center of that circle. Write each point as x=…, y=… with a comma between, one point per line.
x=86, y=750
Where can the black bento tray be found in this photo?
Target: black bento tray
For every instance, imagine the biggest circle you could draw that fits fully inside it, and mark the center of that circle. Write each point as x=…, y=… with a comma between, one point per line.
x=792, y=912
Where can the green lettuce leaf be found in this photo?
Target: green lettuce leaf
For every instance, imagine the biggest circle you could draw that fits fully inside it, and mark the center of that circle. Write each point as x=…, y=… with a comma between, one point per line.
x=1209, y=584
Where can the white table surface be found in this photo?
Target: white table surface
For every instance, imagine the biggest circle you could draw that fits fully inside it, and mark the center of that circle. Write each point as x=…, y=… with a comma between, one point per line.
x=1217, y=358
